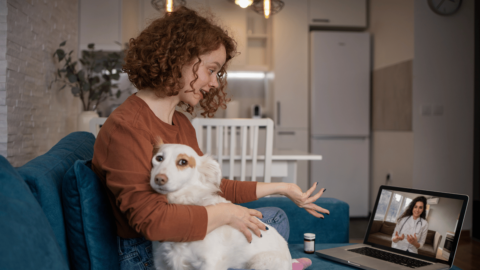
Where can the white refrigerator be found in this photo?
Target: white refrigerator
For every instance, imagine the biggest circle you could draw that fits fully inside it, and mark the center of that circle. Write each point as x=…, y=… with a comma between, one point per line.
x=340, y=68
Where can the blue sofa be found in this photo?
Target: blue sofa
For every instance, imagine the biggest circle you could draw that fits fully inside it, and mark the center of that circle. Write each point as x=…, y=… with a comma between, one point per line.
x=54, y=214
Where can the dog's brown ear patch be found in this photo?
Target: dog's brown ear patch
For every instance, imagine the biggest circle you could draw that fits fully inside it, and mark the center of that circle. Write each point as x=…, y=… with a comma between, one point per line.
x=157, y=145
x=183, y=161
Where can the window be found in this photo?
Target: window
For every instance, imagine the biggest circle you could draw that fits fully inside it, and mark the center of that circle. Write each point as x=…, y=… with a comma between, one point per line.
x=383, y=205
x=395, y=206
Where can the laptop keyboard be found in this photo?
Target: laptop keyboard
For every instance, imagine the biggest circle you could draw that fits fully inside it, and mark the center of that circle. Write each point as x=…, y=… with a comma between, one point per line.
x=390, y=257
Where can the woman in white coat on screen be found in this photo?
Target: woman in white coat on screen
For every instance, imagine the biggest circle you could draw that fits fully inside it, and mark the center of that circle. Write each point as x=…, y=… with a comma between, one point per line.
x=412, y=227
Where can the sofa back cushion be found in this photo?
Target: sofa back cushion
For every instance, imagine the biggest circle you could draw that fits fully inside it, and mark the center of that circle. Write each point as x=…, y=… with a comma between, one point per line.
x=376, y=226
x=388, y=228
x=89, y=220
x=44, y=176
x=27, y=239
x=333, y=229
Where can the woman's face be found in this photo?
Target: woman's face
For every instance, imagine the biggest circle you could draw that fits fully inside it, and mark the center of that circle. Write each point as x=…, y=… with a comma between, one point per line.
x=418, y=209
x=207, y=76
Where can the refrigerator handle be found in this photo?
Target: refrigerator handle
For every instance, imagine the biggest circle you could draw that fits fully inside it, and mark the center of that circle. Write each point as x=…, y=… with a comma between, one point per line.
x=278, y=113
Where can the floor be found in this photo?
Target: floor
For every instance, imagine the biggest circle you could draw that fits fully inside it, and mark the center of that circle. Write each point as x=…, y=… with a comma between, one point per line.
x=468, y=251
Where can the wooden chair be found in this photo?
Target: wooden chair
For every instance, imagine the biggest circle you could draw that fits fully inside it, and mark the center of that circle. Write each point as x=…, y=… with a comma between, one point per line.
x=226, y=140
x=95, y=124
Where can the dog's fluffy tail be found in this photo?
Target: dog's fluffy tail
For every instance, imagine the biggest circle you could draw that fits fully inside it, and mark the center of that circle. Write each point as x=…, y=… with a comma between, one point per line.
x=270, y=260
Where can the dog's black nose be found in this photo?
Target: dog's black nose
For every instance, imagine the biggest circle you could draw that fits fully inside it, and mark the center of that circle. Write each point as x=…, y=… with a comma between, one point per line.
x=161, y=179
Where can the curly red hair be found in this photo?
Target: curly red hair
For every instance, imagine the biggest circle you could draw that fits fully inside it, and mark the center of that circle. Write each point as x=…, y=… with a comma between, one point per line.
x=155, y=58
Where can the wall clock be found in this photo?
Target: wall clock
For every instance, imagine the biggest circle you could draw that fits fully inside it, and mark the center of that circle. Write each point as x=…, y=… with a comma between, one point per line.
x=444, y=7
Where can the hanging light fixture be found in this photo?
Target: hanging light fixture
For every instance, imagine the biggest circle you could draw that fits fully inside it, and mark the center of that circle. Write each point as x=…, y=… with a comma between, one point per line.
x=244, y=3
x=167, y=5
x=267, y=7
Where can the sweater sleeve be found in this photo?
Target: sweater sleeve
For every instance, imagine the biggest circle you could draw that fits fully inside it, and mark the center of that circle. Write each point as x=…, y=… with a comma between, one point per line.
x=128, y=165
x=238, y=191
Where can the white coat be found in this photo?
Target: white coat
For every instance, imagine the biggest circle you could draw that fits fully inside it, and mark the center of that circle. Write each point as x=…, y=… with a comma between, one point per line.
x=409, y=226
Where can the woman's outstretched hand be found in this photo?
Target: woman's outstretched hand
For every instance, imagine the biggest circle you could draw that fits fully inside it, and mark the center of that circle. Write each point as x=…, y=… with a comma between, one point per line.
x=398, y=238
x=305, y=200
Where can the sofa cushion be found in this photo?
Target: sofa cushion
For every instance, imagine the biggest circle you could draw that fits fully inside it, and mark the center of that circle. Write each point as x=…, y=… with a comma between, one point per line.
x=89, y=220
x=388, y=228
x=376, y=226
x=380, y=239
x=28, y=241
x=44, y=176
x=430, y=237
x=332, y=229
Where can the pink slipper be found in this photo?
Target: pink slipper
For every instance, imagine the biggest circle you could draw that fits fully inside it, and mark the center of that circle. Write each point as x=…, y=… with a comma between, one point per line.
x=301, y=263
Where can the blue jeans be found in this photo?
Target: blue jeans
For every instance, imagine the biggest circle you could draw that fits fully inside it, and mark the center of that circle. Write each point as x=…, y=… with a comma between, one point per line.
x=136, y=253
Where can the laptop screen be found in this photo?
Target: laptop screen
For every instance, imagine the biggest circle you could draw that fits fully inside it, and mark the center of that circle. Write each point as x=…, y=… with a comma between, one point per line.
x=422, y=224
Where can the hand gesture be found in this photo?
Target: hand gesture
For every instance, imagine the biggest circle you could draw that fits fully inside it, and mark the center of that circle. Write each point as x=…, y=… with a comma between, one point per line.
x=303, y=199
x=398, y=238
x=245, y=220
x=412, y=239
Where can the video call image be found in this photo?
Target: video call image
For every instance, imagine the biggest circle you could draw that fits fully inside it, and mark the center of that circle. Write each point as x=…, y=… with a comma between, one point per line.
x=419, y=224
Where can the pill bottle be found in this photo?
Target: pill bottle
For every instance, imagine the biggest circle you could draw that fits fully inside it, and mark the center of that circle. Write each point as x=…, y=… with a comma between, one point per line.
x=309, y=243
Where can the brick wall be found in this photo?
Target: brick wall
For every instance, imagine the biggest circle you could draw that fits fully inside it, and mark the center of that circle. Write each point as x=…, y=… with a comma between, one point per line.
x=37, y=117
x=3, y=77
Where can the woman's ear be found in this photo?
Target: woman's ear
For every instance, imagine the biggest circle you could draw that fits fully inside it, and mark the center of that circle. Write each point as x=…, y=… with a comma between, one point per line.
x=209, y=171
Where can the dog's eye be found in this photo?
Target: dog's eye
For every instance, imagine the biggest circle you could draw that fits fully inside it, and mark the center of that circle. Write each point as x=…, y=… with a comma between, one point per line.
x=159, y=158
x=182, y=162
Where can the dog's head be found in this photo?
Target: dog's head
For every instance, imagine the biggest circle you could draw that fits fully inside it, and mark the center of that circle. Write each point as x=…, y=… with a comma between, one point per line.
x=178, y=167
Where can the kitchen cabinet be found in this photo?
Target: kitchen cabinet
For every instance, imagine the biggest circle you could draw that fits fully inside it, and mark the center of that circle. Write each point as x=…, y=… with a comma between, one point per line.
x=338, y=13
x=100, y=23
x=290, y=66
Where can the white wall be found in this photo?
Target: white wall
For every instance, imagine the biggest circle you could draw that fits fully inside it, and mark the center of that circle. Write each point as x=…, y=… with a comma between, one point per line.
x=391, y=24
x=443, y=216
x=443, y=74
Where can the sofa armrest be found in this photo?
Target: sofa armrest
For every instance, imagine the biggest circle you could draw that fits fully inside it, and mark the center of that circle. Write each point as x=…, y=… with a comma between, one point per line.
x=436, y=241
x=333, y=228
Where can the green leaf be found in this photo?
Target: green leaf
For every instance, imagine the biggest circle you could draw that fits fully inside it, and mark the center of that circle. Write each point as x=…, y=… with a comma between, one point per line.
x=115, y=76
x=91, y=46
x=86, y=87
x=119, y=93
x=61, y=54
x=98, y=68
x=72, y=78
x=75, y=91
x=63, y=43
x=70, y=53
x=62, y=87
x=81, y=75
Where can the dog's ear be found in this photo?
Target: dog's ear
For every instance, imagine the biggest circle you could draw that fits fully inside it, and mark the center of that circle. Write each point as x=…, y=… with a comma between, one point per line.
x=209, y=171
x=157, y=145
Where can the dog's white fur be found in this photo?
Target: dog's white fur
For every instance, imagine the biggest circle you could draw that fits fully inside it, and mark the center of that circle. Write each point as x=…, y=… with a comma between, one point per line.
x=225, y=246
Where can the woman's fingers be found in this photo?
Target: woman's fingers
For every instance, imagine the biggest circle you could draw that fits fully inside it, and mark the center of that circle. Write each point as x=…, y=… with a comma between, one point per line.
x=317, y=208
x=311, y=190
x=255, y=213
x=247, y=233
x=314, y=213
x=315, y=198
x=254, y=226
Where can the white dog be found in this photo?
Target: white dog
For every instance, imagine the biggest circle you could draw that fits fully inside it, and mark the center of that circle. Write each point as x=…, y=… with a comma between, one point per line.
x=187, y=178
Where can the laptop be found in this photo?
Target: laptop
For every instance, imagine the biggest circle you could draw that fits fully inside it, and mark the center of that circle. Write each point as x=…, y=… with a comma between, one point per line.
x=439, y=223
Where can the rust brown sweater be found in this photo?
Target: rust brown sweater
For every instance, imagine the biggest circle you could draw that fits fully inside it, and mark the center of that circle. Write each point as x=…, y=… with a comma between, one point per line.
x=122, y=160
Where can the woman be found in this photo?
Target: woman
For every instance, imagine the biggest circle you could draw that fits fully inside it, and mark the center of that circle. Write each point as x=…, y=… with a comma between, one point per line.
x=178, y=60
x=412, y=227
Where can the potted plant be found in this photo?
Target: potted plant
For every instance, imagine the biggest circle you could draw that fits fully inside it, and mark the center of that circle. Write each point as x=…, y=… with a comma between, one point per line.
x=93, y=82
